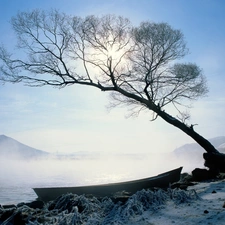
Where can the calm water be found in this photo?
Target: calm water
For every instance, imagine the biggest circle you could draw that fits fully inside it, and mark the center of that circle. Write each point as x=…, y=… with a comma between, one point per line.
x=17, y=177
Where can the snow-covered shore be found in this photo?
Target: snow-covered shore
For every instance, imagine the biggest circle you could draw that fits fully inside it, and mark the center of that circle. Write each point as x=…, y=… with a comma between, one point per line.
x=202, y=203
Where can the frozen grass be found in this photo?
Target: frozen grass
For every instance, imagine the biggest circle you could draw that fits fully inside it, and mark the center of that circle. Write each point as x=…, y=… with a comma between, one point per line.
x=72, y=209
x=201, y=204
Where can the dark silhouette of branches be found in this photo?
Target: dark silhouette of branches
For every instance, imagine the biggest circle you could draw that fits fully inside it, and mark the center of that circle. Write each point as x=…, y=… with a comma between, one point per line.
x=137, y=65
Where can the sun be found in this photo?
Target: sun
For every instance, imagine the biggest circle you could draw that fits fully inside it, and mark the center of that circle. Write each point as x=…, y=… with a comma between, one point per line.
x=112, y=52
x=116, y=54
x=109, y=55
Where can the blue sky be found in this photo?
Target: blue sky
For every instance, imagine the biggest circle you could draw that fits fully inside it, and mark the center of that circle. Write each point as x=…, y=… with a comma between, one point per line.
x=76, y=118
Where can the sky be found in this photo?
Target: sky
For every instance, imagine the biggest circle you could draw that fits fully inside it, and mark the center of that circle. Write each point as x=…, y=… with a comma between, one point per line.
x=76, y=118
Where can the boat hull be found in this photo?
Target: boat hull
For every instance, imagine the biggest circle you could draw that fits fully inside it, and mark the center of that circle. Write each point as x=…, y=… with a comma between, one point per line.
x=161, y=181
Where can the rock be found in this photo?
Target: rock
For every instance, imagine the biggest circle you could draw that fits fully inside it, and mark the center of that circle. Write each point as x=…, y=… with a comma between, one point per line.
x=203, y=174
x=206, y=211
x=36, y=204
x=18, y=218
x=122, y=199
x=215, y=161
x=185, y=178
x=221, y=176
x=21, y=204
x=224, y=205
x=179, y=185
x=8, y=206
x=184, y=182
x=7, y=214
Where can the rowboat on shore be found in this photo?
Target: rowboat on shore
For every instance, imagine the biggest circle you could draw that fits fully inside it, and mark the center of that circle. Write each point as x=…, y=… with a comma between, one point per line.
x=102, y=190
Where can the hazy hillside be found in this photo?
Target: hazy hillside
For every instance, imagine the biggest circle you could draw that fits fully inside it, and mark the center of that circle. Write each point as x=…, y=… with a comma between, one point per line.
x=188, y=153
x=217, y=142
x=11, y=148
x=193, y=153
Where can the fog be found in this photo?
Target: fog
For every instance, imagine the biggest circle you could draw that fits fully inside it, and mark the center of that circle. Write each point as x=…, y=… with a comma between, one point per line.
x=33, y=168
x=23, y=168
x=19, y=176
x=102, y=169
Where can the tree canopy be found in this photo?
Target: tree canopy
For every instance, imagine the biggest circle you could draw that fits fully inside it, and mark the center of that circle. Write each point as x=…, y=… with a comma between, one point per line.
x=138, y=65
x=105, y=52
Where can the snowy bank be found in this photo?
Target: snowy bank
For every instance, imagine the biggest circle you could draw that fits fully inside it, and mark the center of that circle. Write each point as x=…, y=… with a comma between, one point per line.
x=200, y=204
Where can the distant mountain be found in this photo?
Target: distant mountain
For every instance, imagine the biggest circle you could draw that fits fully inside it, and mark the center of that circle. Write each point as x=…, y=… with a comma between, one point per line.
x=221, y=148
x=11, y=148
x=193, y=152
x=195, y=147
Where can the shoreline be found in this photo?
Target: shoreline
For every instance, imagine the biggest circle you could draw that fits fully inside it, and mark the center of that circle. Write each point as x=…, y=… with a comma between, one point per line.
x=203, y=203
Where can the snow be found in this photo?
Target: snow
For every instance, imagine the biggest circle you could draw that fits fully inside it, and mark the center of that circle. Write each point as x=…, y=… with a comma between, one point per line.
x=207, y=210
x=202, y=203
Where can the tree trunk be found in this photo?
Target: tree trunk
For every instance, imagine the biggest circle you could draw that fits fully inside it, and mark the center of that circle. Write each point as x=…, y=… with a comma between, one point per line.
x=204, y=143
x=214, y=160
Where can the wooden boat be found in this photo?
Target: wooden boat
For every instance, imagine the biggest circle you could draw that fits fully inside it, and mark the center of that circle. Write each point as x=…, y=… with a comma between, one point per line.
x=162, y=180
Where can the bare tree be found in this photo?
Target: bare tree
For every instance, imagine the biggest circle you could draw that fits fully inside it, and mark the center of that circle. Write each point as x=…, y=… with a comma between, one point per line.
x=137, y=65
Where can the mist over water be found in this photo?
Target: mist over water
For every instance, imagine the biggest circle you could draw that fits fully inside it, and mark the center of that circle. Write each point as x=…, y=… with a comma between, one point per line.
x=18, y=177
x=23, y=168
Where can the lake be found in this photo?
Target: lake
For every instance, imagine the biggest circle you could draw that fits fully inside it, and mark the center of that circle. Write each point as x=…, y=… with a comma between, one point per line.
x=18, y=177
